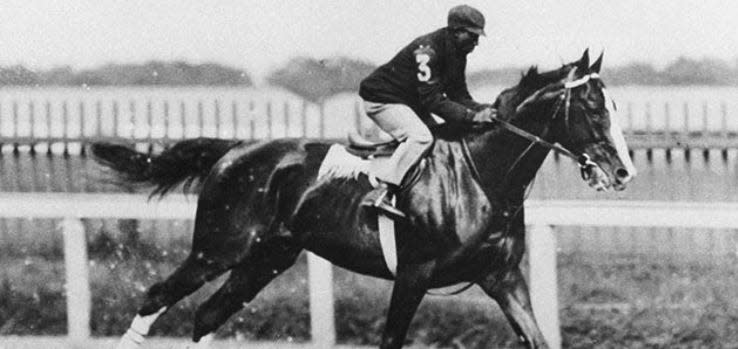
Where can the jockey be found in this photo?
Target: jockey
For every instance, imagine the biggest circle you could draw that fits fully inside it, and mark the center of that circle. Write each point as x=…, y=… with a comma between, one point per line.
x=427, y=76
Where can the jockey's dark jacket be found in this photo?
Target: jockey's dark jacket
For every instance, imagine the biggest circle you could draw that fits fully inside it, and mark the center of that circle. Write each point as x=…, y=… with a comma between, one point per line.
x=428, y=75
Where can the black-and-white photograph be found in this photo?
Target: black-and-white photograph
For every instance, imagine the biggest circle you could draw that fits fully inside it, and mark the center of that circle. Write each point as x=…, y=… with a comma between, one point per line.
x=283, y=174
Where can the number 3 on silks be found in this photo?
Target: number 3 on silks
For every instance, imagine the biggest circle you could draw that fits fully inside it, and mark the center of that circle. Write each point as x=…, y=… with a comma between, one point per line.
x=424, y=73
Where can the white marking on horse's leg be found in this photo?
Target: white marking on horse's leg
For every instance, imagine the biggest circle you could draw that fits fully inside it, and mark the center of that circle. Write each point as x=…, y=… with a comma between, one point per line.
x=130, y=340
x=142, y=324
x=616, y=133
x=135, y=336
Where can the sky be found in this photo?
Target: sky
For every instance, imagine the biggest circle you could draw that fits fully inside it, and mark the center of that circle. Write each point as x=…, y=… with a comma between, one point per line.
x=262, y=35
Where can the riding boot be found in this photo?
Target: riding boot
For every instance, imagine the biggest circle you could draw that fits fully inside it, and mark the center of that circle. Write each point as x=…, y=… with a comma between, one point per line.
x=381, y=199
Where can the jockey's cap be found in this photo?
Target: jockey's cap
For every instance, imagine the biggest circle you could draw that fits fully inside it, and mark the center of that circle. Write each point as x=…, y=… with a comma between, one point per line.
x=468, y=18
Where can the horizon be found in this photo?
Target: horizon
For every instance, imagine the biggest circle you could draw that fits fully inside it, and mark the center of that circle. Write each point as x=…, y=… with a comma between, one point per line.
x=659, y=67
x=43, y=34
x=680, y=72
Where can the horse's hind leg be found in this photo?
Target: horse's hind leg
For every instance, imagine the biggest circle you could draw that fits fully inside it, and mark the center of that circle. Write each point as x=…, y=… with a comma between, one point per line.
x=244, y=283
x=190, y=276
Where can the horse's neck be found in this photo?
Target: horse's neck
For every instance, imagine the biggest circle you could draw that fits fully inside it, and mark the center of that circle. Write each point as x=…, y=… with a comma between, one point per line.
x=504, y=161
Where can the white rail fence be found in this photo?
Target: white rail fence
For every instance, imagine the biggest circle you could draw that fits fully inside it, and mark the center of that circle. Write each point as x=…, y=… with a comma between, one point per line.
x=654, y=117
x=541, y=216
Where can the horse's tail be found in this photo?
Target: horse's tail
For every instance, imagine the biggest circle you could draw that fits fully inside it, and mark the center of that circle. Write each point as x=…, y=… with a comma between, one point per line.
x=187, y=162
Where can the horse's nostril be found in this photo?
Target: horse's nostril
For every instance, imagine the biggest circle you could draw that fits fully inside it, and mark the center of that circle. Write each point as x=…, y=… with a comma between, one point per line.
x=622, y=173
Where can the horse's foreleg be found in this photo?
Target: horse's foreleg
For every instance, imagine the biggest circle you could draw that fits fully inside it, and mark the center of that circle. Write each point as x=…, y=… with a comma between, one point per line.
x=409, y=288
x=192, y=274
x=244, y=283
x=511, y=293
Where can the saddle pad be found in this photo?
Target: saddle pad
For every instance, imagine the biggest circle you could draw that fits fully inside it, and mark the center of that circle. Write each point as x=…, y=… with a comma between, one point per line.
x=340, y=163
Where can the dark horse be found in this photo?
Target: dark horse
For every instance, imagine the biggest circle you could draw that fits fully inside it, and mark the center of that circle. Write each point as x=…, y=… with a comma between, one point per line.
x=261, y=203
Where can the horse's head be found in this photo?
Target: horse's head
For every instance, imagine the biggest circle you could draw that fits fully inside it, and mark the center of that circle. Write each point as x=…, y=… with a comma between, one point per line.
x=579, y=115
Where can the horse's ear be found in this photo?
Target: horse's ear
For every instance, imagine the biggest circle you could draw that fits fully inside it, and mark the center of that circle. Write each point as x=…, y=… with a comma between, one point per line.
x=584, y=61
x=597, y=64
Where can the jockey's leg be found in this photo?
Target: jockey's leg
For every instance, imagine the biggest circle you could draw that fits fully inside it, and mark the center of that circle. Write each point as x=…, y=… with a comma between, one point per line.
x=511, y=293
x=415, y=138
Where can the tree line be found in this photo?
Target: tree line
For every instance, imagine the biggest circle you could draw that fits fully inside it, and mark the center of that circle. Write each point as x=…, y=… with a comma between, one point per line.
x=680, y=72
x=152, y=73
x=317, y=79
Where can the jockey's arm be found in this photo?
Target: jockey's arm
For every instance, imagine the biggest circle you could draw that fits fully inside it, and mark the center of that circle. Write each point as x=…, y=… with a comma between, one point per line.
x=457, y=106
x=433, y=99
x=431, y=90
x=454, y=111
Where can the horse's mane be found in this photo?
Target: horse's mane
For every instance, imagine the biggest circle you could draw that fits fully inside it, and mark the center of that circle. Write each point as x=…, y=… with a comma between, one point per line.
x=535, y=80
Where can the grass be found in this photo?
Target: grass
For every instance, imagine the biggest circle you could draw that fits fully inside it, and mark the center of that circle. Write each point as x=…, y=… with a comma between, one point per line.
x=657, y=304
x=612, y=301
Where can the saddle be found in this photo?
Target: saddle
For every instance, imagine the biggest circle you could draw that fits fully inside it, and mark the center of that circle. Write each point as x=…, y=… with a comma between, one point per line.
x=367, y=149
x=376, y=152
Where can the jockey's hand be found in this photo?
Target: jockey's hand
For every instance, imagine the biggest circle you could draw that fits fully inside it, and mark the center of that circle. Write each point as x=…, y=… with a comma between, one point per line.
x=485, y=116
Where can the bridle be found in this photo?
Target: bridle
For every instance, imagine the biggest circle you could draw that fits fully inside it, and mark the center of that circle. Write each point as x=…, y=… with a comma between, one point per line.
x=586, y=165
x=582, y=159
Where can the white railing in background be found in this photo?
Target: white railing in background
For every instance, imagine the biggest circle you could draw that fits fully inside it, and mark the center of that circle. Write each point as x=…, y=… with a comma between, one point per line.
x=654, y=117
x=541, y=216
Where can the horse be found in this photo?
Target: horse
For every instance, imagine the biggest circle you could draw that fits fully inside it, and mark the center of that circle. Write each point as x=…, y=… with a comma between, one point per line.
x=261, y=203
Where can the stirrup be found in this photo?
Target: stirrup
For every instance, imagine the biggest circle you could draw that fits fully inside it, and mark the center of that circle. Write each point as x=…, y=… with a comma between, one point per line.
x=381, y=204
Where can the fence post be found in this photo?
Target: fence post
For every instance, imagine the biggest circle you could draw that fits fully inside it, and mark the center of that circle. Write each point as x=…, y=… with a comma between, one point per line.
x=705, y=121
x=321, y=132
x=217, y=117
x=270, y=121
x=723, y=120
x=303, y=116
x=149, y=123
x=116, y=120
x=167, y=120
x=543, y=282
x=322, y=314
x=286, y=118
x=649, y=128
x=629, y=114
x=77, y=279
x=183, y=118
x=234, y=119
x=98, y=118
x=131, y=119
x=358, y=115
